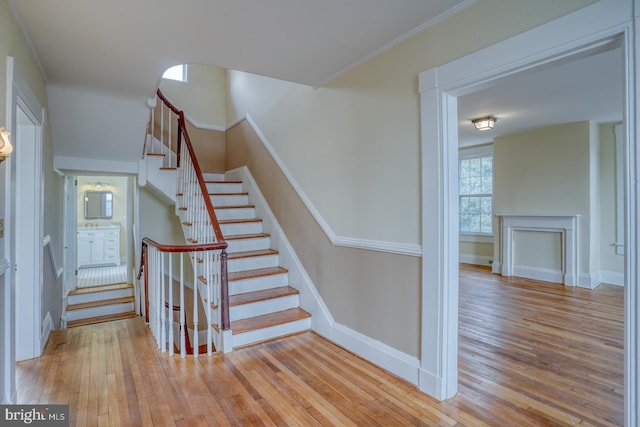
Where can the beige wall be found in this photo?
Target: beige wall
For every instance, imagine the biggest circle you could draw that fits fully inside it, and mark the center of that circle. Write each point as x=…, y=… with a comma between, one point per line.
x=203, y=97
x=12, y=43
x=546, y=172
x=374, y=293
x=209, y=146
x=353, y=145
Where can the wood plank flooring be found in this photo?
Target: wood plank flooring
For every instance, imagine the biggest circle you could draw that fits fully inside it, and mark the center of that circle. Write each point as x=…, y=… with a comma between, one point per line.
x=531, y=354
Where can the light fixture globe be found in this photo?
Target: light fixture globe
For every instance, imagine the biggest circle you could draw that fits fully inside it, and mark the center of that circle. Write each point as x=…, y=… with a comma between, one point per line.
x=484, y=123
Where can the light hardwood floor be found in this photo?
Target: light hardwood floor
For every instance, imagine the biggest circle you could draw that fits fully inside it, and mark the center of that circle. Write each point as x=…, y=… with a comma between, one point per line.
x=531, y=353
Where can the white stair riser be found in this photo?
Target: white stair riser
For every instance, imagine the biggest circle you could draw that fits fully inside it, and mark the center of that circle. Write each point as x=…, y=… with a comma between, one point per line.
x=98, y=296
x=235, y=213
x=259, y=308
x=258, y=283
x=252, y=263
x=103, y=310
x=253, y=244
x=219, y=187
x=230, y=200
x=233, y=229
x=271, y=332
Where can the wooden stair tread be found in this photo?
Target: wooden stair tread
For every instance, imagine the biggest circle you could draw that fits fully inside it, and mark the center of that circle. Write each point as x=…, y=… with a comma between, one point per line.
x=100, y=303
x=168, y=169
x=246, y=236
x=249, y=254
x=236, y=207
x=156, y=154
x=101, y=288
x=258, y=272
x=240, y=221
x=263, y=295
x=268, y=320
x=100, y=319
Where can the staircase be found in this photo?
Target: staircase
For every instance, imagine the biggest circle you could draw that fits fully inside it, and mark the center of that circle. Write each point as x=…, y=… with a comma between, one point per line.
x=99, y=304
x=262, y=304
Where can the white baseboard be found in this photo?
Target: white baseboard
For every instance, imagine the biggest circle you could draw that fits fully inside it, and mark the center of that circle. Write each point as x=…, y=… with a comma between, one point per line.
x=398, y=363
x=599, y=277
x=476, y=259
x=47, y=328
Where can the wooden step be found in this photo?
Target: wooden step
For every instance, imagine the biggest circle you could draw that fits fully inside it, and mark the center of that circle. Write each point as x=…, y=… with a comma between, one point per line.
x=236, y=207
x=259, y=272
x=268, y=320
x=100, y=319
x=222, y=182
x=246, y=236
x=101, y=288
x=239, y=221
x=228, y=194
x=100, y=303
x=267, y=294
x=250, y=254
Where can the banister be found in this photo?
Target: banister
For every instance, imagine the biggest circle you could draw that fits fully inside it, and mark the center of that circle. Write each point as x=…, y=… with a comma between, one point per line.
x=187, y=141
x=192, y=167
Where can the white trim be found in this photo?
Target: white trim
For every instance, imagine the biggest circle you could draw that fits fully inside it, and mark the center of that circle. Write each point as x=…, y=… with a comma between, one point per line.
x=79, y=165
x=619, y=243
x=476, y=259
x=350, y=242
x=46, y=243
x=476, y=238
x=5, y=265
x=398, y=363
x=610, y=278
x=565, y=225
x=47, y=328
x=576, y=33
x=204, y=126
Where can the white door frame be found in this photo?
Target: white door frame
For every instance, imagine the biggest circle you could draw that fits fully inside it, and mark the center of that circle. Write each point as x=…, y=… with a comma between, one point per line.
x=575, y=33
x=27, y=220
x=70, y=239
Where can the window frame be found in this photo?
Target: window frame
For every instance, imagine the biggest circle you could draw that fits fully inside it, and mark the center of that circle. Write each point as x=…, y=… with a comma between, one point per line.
x=468, y=153
x=185, y=74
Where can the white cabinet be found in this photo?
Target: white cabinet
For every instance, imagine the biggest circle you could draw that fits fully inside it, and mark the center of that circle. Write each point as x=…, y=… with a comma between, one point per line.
x=98, y=246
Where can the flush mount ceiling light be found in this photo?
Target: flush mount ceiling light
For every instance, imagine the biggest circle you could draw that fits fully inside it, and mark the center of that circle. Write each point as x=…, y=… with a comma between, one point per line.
x=484, y=123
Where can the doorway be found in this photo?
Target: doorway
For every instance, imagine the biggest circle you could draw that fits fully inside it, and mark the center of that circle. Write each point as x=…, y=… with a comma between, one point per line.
x=574, y=34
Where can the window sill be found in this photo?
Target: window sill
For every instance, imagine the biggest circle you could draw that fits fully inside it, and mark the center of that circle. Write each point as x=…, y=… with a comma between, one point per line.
x=476, y=237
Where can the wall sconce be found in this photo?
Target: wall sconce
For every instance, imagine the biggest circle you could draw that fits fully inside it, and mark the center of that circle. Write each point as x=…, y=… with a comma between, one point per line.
x=484, y=123
x=5, y=145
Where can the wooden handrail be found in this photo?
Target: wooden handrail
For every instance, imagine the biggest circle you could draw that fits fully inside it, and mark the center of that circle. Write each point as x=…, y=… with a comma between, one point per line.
x=184, y=134
x=219, y=244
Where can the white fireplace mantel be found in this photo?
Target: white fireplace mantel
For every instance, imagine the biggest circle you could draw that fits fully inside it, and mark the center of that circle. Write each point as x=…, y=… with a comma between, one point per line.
x=566, y=225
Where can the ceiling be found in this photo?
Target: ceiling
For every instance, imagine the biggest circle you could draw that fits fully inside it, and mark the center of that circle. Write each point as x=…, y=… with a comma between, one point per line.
x=124, y=45
x=588, y=88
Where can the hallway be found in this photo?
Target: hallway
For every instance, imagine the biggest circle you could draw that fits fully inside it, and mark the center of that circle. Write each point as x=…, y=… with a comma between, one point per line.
x=531, y=353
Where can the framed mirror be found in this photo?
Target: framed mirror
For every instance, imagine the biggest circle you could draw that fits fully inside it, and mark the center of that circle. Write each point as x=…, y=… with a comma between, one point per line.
x=98, y=204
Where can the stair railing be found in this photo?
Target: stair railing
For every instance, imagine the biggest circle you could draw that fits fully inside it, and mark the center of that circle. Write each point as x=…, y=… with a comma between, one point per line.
x=166, y=278
x=202, y=231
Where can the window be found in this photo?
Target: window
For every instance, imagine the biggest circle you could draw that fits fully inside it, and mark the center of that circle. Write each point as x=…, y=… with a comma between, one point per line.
x=177, y=73
x=476, y=194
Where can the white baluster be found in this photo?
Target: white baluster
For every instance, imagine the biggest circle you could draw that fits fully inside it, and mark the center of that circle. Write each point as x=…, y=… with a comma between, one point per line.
x=183, y=326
